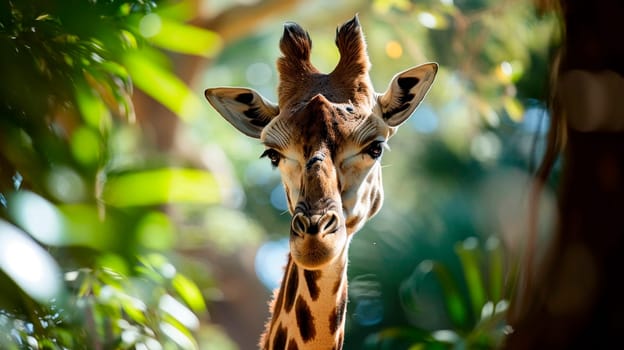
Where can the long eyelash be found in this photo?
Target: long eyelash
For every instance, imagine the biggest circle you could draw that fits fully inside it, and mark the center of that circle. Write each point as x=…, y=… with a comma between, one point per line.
x=265, y=153
x=270, y=153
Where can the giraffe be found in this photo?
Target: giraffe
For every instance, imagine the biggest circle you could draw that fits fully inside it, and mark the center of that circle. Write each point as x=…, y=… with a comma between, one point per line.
x=326, y=136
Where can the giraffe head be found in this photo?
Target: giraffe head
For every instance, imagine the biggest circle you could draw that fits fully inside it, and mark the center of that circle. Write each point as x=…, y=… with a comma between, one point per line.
x=326, y=136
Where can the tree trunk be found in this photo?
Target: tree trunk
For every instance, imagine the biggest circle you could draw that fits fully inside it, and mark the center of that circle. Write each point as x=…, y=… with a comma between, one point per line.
x=576, y=299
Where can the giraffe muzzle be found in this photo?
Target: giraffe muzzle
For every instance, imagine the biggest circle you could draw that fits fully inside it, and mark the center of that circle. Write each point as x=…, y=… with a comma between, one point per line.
x=317, y=239
x=321, y=225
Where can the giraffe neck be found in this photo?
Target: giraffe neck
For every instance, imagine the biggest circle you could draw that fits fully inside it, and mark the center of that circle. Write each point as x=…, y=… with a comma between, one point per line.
x=309, y=308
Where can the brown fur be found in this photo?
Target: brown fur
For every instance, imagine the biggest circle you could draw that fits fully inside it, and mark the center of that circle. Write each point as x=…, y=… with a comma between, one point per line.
x=349, y=82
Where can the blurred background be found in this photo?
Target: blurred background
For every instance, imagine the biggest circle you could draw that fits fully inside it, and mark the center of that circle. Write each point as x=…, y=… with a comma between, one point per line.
x=132, y=216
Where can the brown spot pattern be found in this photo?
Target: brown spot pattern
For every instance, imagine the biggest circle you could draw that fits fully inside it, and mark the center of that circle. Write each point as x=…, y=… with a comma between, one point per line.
x=275, y=308
x=311, y=278
x=292, y=345
x=305, y=320
x=291, y=288
x=279, y=341
x=337, y=316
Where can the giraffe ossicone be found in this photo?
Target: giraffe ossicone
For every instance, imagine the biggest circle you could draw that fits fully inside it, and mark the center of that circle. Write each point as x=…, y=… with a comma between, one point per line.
x=326, y=136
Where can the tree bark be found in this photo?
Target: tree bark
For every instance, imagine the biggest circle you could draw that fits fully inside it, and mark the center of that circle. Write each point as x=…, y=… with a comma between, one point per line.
x=576, y=300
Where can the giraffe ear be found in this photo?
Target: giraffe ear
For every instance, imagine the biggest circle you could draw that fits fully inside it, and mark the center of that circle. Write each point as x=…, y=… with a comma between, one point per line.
x=244, y=108
x=405, y=92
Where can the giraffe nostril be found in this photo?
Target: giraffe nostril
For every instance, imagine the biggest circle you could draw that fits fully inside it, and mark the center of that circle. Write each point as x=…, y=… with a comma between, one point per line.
x=300, y=224
x=329, y=222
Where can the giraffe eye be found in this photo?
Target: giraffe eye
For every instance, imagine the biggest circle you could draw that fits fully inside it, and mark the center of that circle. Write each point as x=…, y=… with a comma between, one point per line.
x=375, y=149
x=273, y=156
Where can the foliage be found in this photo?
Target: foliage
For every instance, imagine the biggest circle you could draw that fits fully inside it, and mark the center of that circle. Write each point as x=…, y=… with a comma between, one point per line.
x=87, y=259
x=477, y=315
x=82, y=190
x=103, y=308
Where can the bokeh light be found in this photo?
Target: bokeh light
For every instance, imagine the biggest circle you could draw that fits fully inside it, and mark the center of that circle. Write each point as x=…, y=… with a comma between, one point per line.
x=259, y=73
x=29, y=265
x=150, y=25
x=486, y=146
x=38, y=217
x=394, y=49
x=427, y=19
x=368, y=307
x=424, y=120
x=278, y=198
x=66, y=185
x=270, y=261
x=536, y=119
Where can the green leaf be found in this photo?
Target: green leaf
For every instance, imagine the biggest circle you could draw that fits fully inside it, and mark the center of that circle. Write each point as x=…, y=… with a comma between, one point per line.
x=84, y=227
x=156, y=231
x=156, y=267
x=118, y=71
x=113, y=265
x=91, y=107
x=178, y=334
x=113, y=90
x=162, y=85
x=86, y=284
x=187, y=39
x=129, y=39
x=455, y=305
x=85, y=146
x=184, y=318
x=134, y=307
x=180, y=10
x=496, y=260
x=469, y=256
x=160, y=186
x=189, y=292
x=414, y=335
